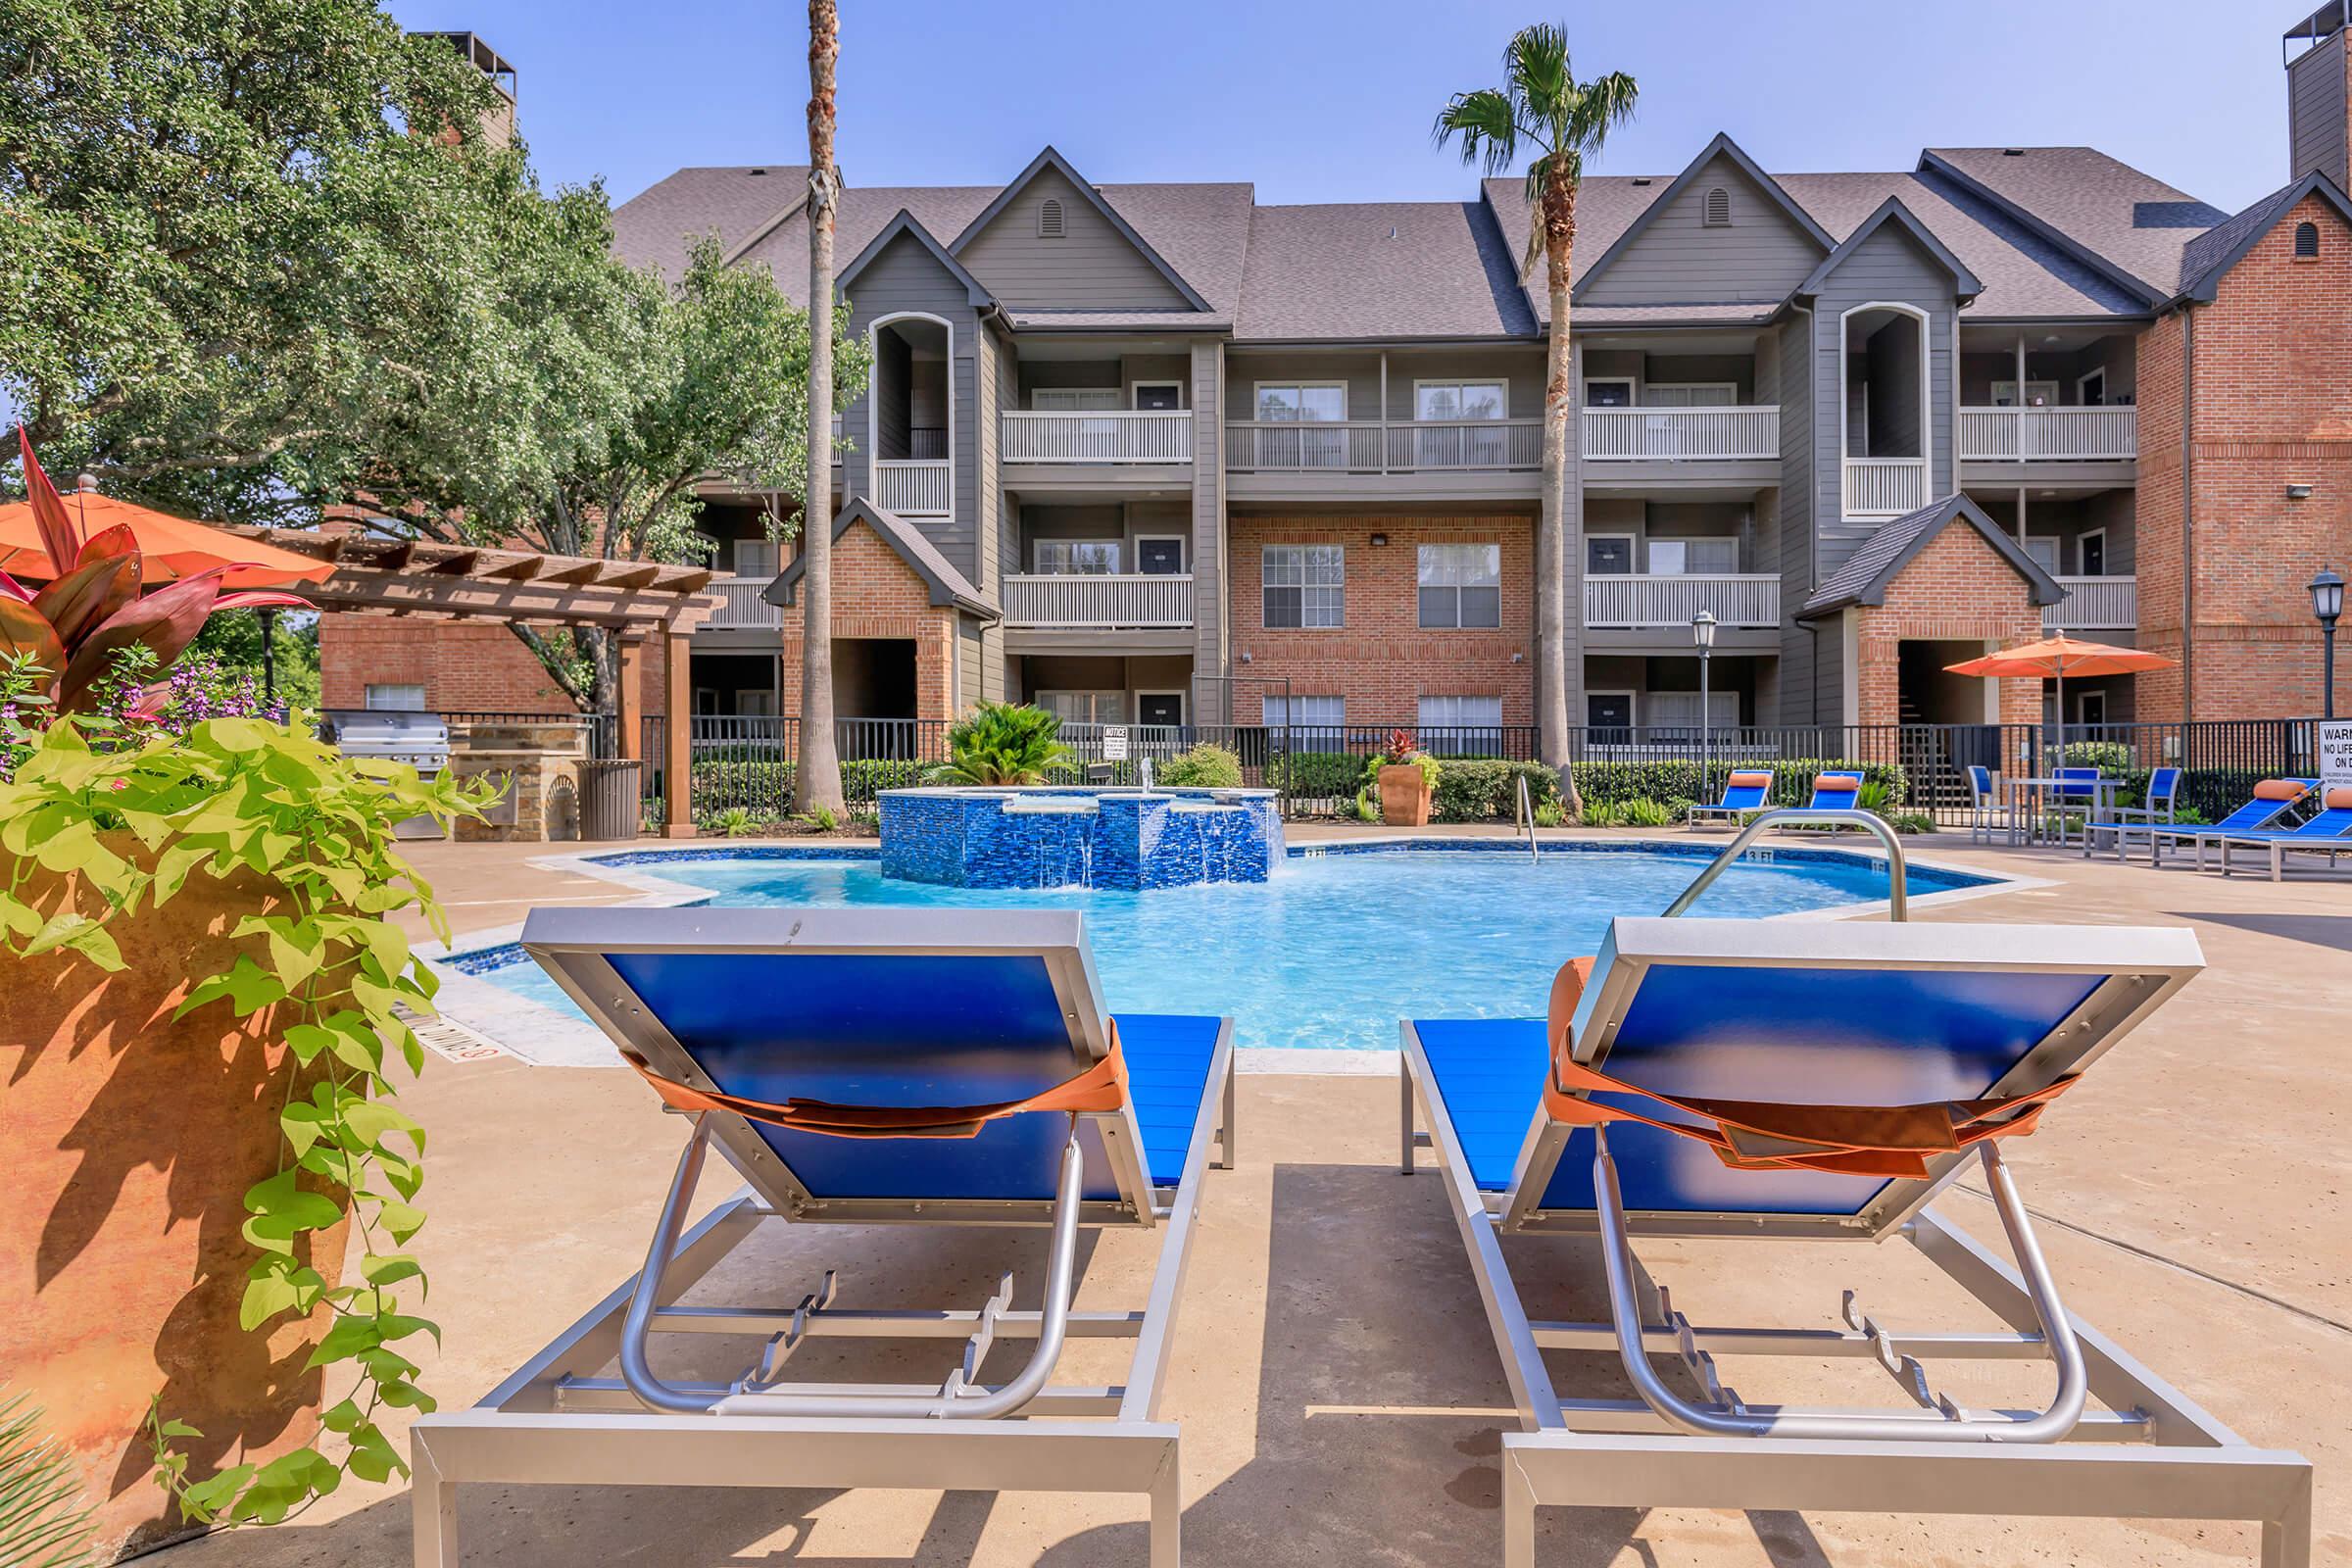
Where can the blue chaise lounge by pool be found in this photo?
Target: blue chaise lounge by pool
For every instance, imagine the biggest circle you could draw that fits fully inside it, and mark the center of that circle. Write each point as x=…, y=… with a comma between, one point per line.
x=1747, y=792
x=1760, y=1082
x=935, y=1068
x=2324, y=834
x=2271, y=804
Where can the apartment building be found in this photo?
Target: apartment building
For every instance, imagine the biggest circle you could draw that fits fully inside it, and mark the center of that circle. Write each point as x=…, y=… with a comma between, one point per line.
x=1159, y=454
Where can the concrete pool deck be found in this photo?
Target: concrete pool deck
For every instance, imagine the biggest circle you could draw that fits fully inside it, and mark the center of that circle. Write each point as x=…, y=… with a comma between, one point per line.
x=1339, y=1393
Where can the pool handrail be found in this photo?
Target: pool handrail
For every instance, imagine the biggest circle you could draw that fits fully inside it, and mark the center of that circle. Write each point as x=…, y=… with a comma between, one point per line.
x=1897, y=875
x=1524, y=807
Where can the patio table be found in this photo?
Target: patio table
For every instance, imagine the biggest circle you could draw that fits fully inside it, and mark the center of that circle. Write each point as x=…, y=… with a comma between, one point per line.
x=2025, y=815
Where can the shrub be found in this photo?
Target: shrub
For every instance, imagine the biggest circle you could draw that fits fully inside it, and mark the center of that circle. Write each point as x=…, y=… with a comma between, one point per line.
x=822, y=818
x=1002, y=743
x=1484, y=789
x=1551, y=813
x=1367, y=810
x=1683, y=780
x=735, y=822
x=1645, y=814
x=1318, y=775
x=1603, y=813
x=2108, y=757
x=1205, y=767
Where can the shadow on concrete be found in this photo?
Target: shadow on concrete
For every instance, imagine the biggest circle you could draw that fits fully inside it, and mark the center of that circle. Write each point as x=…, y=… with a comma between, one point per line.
x=2333, y=931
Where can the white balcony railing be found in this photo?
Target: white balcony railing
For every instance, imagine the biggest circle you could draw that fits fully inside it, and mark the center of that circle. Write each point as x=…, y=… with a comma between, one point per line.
x=1702, y=435
x=912, y=488
x=1628, y=600
x=2091, y=436
x=1121, y=601
x=2095, y=604
x=1142, y=436
x=1371, y=446
x=1884, y=487
x=740, y=607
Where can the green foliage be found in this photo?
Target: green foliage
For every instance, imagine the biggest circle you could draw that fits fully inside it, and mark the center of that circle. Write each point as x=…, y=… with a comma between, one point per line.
x=1317, y=775
x=1485, y=790
x=1367, y=804
x=45, y=1520
x=734, y=822
x=1205, y=767
x=1912, y=823
x=2108, y=757
x=1551, y=813
x=762, y=786
x=1645, y=814
x=822, y=818
x=1604, y=814
x=1002, y=743
x=234, y=640
x=1791, y=780
x=143, y=823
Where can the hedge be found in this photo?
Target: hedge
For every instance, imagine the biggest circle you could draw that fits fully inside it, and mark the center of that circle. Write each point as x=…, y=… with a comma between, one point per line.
x=1481, y=789
x=1205, y=767
x=1679, y=783
x=765, y=788
x=1315, y=776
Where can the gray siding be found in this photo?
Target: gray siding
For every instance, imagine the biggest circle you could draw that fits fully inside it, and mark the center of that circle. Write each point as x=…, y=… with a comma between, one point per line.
x=1677, y=260
x=1209, y=705
x=1092, y=267
x=1520, y=370
x=2316, y=110
x=1785, y=375
x=908, y=277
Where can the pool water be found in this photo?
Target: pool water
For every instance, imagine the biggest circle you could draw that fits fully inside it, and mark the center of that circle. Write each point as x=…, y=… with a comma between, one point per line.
x=1338, y=947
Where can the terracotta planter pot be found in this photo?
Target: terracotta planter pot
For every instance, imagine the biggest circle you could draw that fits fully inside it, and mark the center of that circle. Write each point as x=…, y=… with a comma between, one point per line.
x=1403, y=796
x=130, y=1138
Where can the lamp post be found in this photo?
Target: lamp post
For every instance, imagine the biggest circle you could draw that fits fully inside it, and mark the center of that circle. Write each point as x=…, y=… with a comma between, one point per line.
x=1702, y=633
x=2327, y=603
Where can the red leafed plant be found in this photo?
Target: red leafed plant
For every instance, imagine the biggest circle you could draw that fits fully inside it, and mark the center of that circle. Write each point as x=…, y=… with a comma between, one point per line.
x=92, y=614
x=1400, y=747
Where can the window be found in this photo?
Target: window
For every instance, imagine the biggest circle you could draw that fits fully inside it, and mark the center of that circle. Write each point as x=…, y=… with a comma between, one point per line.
x=1462, y=400
x=1690, y=394
x=1718, y=208
x=755, y=558
x=401, y=698
x=1305, y=586
x=1048, y=218
x=1461, y=585
x=2307, y=240
x=1302, y=402
x=1077, y=557
x=1608, y=555
x=2039, y=393
x=2042, y=550
x=1461, y=724
x=1705, y=557
x=1085, y=708
x=1064, y=399
x=1323, y=712
x=1680, y=711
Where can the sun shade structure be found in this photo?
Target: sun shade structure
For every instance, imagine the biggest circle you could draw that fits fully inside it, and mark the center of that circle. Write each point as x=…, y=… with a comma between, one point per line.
x=634, y=599
x=169, y=547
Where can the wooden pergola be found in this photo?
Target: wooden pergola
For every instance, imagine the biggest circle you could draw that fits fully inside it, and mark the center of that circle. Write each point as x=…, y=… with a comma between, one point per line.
x=637, y=601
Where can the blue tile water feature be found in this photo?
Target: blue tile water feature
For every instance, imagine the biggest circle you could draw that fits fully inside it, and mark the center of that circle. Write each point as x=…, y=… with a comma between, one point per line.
x=1134, y=840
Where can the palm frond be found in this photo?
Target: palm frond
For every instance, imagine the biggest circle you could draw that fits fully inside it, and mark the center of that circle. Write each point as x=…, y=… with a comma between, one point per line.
x=1536, y=72
x=1484, y=124
x=1601, y=106
x=44, y=1522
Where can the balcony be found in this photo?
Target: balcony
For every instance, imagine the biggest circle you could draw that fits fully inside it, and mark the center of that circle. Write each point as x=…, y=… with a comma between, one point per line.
x=740, y=607
x=1103, y=602
x=1372, y=445
x=1104, y=438
x=2095, y=604
x=912, y=487
x=1714, y=434
x=1884, y=487
x=2061, y=434
x=1631, y=602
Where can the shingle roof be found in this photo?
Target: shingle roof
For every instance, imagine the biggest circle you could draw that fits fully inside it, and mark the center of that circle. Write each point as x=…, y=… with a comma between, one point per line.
x=948, y=585
x=1380, y=269
x=2133, y=219
x=655, y=228
x=1881, y=559
x=2214, y=251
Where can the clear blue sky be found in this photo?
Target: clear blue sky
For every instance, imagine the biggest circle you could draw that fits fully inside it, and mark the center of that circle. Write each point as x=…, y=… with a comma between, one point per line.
x=1332, y=102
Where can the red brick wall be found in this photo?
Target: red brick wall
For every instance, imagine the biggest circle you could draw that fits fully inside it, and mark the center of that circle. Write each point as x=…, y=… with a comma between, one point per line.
x=463, y=665
x=876, y=594
x=1382, y=661
x=1956, y=588
x=2273, y=379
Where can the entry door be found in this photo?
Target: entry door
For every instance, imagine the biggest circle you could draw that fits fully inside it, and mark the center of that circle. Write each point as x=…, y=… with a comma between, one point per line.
x=1158, y=396
x=1159, y=707
x=1161, y=556
x=2095, y=555
x=1610, y=716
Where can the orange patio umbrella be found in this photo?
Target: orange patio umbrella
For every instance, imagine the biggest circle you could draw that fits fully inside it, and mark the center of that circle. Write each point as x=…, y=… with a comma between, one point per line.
x=2056, y=657
x=169, y=547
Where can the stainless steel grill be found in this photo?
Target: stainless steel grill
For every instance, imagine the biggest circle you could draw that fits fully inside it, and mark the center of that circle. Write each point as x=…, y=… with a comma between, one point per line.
x=419, y=739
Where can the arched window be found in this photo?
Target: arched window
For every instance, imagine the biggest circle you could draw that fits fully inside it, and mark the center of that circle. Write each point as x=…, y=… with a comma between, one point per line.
x=1048, y=218
x=1718, y=208
x=2307, y=239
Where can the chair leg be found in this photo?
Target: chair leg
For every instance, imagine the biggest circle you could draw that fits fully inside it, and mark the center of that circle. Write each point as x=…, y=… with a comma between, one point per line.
x=1167, y=1514
x=2286, y=1541
x=433, y=1511
x=1519, y=1515
x=1404, y=1096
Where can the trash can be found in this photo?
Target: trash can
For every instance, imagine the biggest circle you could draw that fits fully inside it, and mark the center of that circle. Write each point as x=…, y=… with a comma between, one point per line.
x=610, y=802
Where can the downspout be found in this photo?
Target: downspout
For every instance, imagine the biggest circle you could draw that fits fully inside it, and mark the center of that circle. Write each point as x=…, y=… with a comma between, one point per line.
x=2189, y=567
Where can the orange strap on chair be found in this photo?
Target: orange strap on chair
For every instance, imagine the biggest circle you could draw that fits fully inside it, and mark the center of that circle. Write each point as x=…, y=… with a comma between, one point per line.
x=1102, y=1086
x=1883, y=1140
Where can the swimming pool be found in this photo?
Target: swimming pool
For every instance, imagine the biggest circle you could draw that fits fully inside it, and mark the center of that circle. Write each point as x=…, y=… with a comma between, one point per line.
x=1342, y=942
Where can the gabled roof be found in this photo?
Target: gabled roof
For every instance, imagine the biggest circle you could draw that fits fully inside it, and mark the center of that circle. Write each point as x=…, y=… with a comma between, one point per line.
x=1892, y=211
x=1864, y=577
x=1050, y=159
x=2127, y=227
x=904, y=226
x=1395, y=271
x=1723, y=146
x=948, y=585
x=2213, y=253
x=657, y=227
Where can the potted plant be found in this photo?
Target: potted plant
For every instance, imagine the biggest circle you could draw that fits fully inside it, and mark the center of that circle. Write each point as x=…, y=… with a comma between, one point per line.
x=1407, y=777
x=201, y=997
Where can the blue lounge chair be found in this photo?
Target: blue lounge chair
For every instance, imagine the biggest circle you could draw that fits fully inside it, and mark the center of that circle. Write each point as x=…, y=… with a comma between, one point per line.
x=912, y=1067
x=2323, y=833
x=1836, y=792
x=1682, y=1087
x=2271, y=804
x=1747, y=792
x=2157, y=811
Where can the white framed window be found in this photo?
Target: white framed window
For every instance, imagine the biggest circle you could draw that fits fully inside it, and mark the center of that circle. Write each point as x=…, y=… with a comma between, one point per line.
x=1317, y=711
x=1461, y=712
x=1680, y=709
x=1304, y=586
x=1462, y=400
x=1690, y=394
x=1302, y=402
x=1702, y=557
x=755, y=558
x=1461, y=585
x=2042, y=550
x=1073, y=399
x=403, y=697
x=1608, y=555
x=1085, y=707
x=2039, y=393
x=1077, y=557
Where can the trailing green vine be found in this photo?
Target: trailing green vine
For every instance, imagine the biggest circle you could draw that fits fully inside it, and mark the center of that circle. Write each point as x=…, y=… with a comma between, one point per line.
x=142, y=822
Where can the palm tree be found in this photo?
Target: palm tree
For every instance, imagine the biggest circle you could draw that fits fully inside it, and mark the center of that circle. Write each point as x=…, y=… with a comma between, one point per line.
x=816, y=782
x=1544, y=114
x=1002, y=743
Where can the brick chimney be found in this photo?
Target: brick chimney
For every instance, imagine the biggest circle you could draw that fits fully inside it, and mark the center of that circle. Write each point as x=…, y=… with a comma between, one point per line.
x=2318, y=94
x=498, y=121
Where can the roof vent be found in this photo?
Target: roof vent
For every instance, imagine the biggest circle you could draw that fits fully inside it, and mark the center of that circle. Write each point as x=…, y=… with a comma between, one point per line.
x=2307, y=240
x=2013, y=152
x=1641, y=180
x=1048, y=218
x=759, y=171
x=1718, y=208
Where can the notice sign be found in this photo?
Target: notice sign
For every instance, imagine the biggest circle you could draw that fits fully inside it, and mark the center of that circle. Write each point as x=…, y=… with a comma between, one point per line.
x=2336, y=752
x=1115, y=743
